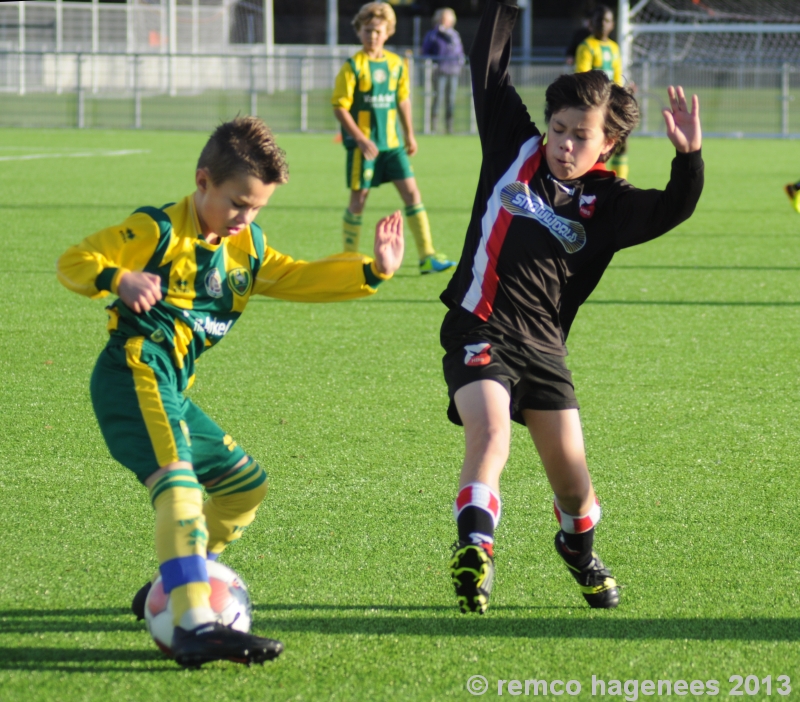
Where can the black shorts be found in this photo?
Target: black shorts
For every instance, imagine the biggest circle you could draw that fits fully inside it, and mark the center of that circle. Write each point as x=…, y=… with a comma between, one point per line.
x=475, y=350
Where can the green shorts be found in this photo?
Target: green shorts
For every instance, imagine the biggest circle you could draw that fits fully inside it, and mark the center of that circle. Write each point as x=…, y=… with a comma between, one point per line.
x=146, y=421
x=389, y=166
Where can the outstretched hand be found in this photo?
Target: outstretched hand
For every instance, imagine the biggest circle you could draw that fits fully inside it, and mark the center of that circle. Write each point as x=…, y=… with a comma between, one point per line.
x=683, y=126
x=389, y=244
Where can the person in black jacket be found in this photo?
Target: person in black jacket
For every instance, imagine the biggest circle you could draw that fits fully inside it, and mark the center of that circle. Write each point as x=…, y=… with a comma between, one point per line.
x=546, y=221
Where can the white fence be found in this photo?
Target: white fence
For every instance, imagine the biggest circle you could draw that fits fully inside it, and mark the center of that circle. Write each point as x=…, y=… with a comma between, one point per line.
x=138, y=26
x=292, y=93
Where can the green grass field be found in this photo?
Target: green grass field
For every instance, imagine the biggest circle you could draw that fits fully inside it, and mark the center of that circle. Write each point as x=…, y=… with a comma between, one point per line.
x=686, y=364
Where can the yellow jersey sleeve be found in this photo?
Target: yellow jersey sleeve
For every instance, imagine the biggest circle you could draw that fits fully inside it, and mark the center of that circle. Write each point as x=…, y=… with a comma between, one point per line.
x=333, y=279
x=403, y=86
x=584, y=61
x=344, y=87
x=617, y=64
x=94, y=267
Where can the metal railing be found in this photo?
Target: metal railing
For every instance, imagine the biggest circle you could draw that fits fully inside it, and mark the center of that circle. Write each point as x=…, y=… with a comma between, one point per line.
x=737, y=99
x=293, y=92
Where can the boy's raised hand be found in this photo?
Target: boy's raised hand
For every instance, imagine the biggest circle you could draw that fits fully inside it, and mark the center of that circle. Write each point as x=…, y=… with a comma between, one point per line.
x=683, y=126
x=139, y=290
x=389, y=244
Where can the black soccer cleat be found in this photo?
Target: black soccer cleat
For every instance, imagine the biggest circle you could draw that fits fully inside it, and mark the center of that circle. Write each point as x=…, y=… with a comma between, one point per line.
x=472, y=570
x=217, y=642
x=598, y=586
x=139, y=599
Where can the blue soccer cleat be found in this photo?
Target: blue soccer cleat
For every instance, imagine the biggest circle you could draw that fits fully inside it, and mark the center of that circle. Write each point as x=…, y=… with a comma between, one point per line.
x=435, y=263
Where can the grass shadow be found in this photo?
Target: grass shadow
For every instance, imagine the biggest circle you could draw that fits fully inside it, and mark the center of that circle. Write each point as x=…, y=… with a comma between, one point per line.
x=663, y=267
x=502, y=622
x=84, y=660
x=695, y=303
x=46, y=621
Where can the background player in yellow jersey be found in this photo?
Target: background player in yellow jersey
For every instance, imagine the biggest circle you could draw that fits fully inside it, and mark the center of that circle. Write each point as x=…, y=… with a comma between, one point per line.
x=793, y=191
x=183, y=275
x=371, y=93
x=598, y=52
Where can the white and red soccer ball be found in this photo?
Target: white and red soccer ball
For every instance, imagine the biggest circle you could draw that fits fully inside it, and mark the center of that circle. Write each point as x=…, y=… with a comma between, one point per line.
x=229, y=600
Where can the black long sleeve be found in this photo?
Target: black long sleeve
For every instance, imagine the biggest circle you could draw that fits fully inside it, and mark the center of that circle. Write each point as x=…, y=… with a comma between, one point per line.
x=499, y=110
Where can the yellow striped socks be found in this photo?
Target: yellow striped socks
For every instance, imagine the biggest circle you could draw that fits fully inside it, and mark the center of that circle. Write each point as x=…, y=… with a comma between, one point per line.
x=351, y=230
x=417, y=219
x=181, y=539
x=232, y=504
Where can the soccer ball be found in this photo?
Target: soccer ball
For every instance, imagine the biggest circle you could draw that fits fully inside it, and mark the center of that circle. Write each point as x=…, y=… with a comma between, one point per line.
x=229, y=599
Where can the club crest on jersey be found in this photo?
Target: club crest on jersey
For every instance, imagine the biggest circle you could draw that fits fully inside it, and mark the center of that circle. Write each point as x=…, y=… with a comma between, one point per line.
x=588, y=203
x=379, y=76
x=477, y=354
x=239, y=280
x=213, y=283
x=519, y=199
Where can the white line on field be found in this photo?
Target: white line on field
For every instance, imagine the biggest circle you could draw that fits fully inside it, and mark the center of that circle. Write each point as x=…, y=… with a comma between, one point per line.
x=80, y=154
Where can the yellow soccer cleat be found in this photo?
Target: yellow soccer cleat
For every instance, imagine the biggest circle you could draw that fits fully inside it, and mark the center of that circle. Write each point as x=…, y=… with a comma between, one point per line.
x=598, y=586
x=472, y=571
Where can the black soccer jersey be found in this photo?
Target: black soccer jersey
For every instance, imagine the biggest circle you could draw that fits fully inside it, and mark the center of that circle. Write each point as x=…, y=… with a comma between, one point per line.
x=536, y=247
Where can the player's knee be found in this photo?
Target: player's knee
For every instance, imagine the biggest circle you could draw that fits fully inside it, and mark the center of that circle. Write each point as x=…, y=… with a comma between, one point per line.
x=358, y=200
x=257, y=494
x=243, y=489
x=411, y=195
x=488, y=441
x=153, y=478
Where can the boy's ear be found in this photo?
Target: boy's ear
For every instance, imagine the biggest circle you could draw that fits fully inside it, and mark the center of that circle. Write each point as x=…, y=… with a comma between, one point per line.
x=608, y=147
x=202, y=178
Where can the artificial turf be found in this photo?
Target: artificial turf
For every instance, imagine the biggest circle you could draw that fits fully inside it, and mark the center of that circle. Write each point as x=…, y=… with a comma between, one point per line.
x=685, y=362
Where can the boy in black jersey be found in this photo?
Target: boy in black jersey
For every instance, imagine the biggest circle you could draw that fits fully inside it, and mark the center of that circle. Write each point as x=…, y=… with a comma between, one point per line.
x=546, y=221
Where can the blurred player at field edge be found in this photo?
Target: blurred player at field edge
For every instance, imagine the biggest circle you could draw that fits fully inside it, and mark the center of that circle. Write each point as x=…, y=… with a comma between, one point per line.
x=183, y=274
x=371, y=93
x=793, y=191
x=599, y=53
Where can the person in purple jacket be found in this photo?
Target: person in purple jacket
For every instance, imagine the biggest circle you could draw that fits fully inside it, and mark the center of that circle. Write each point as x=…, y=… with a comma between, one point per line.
x=443, y=44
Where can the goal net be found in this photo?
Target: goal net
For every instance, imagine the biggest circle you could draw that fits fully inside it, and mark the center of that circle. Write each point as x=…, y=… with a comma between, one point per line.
x=743, y=56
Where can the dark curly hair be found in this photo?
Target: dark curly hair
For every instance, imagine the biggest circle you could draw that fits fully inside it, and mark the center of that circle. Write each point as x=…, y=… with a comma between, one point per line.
x=594, y=89
x=244, y=146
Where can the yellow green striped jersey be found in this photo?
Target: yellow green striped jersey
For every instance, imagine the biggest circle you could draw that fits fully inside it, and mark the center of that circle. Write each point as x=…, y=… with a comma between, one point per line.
x=205, y=287
x=596, y=54
x=370, y=90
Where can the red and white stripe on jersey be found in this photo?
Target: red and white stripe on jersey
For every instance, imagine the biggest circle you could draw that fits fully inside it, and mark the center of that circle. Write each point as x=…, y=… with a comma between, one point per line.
x=478, y=495
x=571, y=524
x=494, y=225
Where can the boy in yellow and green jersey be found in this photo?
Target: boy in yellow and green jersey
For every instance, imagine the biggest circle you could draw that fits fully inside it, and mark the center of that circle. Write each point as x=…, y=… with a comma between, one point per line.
x=183, y=274
x=371, y=95
x=599, y=53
